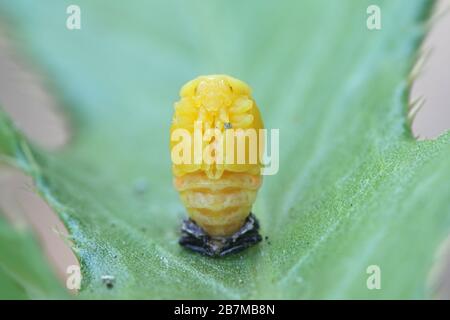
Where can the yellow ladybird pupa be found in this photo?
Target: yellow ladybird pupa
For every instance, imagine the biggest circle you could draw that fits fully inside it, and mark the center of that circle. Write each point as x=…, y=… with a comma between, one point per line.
x=218, y=186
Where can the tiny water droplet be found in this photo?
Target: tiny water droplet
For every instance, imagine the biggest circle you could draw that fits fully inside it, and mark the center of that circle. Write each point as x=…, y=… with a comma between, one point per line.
x=140, y=185
x=164, y=261
x=299, y=280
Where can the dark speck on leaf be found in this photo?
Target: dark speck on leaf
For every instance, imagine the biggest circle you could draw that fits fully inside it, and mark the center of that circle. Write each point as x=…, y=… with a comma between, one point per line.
x=108, y=281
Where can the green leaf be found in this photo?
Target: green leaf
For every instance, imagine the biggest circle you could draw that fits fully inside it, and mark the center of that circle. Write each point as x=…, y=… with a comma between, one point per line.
x=354, y=188
x=24, y=273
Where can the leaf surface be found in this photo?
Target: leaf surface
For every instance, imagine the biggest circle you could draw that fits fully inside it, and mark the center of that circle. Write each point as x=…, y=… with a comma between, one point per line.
x=354, y=188
x=24, y=273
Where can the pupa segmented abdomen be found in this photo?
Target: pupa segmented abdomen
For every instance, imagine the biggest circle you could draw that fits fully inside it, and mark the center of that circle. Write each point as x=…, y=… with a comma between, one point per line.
x=219, y=195
x=219, y=206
